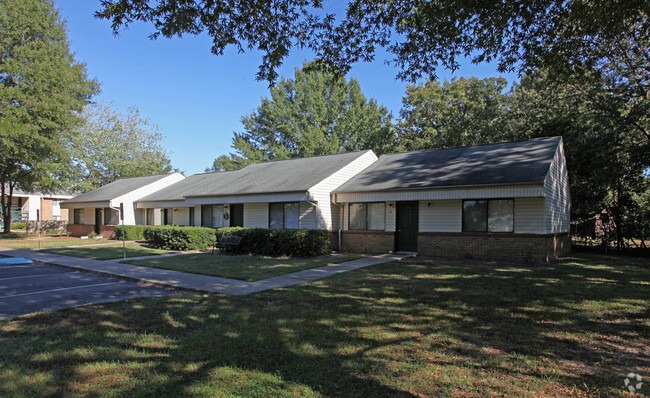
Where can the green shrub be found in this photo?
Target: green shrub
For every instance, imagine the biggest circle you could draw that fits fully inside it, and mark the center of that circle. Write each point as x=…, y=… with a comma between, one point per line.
x=180, y=238
x=280, y=242
x=131, y=232
x=18, y=225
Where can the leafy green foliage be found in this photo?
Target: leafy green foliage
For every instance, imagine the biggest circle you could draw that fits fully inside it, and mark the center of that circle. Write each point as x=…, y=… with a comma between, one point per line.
x=42, y=90
x=571, y=36
x=131, y=232
x=313, y=114
x=280, y=242
x=180, y=238
x=108, y=146
x=462, y=112
x=18, y=225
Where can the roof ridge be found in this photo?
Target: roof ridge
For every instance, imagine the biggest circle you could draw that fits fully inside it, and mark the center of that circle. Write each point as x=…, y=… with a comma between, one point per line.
x=471, y=146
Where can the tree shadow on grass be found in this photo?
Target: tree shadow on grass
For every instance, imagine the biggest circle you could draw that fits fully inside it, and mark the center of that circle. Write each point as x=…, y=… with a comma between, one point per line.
x=391, y=330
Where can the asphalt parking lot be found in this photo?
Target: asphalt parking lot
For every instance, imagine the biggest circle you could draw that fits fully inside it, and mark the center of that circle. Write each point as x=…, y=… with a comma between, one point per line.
x=27, y=288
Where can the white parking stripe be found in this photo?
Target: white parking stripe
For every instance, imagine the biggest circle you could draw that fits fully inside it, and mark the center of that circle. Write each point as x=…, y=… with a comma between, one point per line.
x=65, y=288
x=33, y=276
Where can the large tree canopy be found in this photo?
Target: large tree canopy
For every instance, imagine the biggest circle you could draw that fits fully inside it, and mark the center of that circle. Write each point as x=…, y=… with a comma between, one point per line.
x=462, y=112
x=313, y=114
x=42, y=91
x=572, y=36
x=109, y=145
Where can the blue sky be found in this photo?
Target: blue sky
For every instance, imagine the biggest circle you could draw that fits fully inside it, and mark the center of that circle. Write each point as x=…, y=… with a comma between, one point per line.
x=195, y=97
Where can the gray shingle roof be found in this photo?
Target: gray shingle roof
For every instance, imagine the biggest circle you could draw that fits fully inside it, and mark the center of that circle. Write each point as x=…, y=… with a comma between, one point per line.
x=291, y=175
x=494, y=164
x=116, y=189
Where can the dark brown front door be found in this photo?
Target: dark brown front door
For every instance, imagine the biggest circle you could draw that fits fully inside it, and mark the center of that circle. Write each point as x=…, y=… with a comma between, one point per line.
x=237, y=215
x=98, y=220
x=406, y=239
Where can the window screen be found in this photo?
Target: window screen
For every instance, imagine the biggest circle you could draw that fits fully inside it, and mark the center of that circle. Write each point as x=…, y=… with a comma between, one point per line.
x=110, y=216
x=500, y=215
x=358, y=216
x=376, y=216
x=292, y=215
x=488, y=215
x=276, y=215
x=217, y=216
x=78, y=216
x=475, y=215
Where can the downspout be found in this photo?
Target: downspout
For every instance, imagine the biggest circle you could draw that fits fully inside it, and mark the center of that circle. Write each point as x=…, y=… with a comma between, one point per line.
x=340, y=221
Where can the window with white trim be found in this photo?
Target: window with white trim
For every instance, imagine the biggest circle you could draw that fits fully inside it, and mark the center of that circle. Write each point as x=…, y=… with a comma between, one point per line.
x=493, y=215
x=367, y=216
x=284, y=215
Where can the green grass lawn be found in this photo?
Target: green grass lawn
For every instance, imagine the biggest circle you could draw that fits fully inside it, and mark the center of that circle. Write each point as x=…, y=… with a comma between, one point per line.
x=16, y=241
x=248, y=268
x=108, y=252
x=398, y=329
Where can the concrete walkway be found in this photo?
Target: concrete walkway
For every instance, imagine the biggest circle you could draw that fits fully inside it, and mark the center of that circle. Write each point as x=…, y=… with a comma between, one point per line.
x=203, y=283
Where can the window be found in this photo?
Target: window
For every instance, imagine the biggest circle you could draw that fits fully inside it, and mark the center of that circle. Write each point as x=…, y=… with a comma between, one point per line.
x=217, y=216
x=495, y=215
x=78, y=216
x=367, y=216
x=150, y=217
x=111, y=216
x=284, y=215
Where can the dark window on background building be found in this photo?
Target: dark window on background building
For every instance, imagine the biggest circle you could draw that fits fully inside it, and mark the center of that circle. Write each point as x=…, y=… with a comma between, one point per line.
x=78, y=216
x=367, y=216
x=284, y=215
x=494, y=215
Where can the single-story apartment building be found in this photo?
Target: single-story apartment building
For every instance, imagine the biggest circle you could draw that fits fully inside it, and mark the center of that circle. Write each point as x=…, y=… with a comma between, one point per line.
x=292, y=193
x=507, y=201
x=98, y=210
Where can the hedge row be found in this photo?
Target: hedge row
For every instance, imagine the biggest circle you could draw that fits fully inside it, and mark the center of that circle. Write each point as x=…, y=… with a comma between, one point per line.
x=18, y=225
x=180, y=238
x=258, y=241
x=131, y=232
x=280, y=242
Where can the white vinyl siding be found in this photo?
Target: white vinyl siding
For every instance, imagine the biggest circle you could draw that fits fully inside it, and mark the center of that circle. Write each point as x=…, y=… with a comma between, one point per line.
x=181, y=216
x=492, y=192
x=441, y=216
x=391, y=217
x=529, y=215
x=327, y=213
x=308, y=216
x=256, y=215
x=89, y=216
x=556, y=191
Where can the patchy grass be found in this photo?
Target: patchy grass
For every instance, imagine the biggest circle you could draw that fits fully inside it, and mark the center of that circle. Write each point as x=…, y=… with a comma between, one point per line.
x=398, y=329
x=108, y=252
x=16, y=241
x=248, y=268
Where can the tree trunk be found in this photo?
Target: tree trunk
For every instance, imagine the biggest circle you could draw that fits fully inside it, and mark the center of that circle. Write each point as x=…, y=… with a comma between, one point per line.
x=6, y=206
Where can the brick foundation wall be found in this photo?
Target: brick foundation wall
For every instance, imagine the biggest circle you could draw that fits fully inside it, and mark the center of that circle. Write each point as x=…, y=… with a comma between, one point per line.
x=374, y=242
x=107, y=231
x=519, y=248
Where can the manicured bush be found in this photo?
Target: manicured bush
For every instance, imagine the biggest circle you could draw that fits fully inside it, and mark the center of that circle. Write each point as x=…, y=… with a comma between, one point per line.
x=18, y=225
x=280, y=242
x=180, y=238
x=131, y=232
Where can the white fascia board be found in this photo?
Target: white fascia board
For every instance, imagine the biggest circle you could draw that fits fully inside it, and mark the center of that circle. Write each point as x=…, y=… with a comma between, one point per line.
x=147, y=189
x=261, y=198
x=481, y=192
x=85, y=205
x=162, y=204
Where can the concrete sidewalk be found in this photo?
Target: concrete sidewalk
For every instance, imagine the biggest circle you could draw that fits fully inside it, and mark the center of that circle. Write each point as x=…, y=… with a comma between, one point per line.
x=203, y=283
